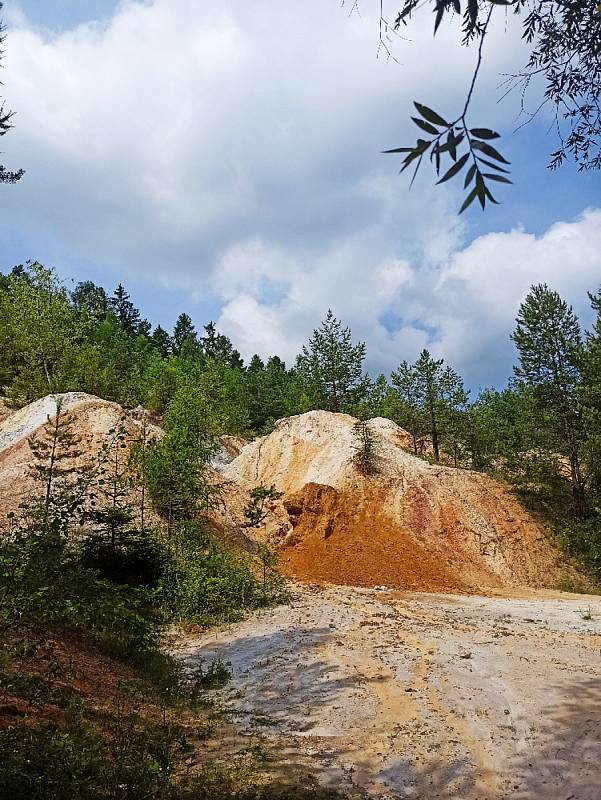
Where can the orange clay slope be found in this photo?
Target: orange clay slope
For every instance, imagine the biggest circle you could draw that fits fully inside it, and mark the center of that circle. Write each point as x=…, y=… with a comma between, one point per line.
x=413, y=525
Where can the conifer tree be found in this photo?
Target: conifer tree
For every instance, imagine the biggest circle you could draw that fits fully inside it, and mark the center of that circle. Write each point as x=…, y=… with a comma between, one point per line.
x=255, y=512
x=332, y=367
x=367, y=452
x=6, y=175
x=455, y=400
x=218, y=347
x=161, y=341
x=379, y=392
x=144, y=328
x=58, y=470
x=124, y=310
x=410, y=414
x=114, y=515
x=549, y=343
x=184, y=334
x=428, y=374
x=433, y=399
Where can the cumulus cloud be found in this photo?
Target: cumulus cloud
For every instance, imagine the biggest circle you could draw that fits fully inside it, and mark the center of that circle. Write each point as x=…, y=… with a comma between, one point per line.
x=158, y=138
x=228, y=152
x=461, y=307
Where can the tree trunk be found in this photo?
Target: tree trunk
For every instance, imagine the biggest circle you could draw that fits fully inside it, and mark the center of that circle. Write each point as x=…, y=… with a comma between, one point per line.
x=577, y=481
x=433, y=426
x=50, y=480
x=47, y=373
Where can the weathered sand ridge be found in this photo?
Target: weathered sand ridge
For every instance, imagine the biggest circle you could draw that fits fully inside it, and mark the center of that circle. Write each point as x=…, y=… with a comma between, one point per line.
x=93, y=420
x=413, y=525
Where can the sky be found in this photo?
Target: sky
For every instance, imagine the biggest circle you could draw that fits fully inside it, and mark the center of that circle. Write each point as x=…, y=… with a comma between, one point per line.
x=224, y=159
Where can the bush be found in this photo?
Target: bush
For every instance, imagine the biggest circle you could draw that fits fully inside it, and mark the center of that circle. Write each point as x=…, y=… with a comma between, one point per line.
x=68, y=760
x=582, y=539
x=136, y=560
x=41, y=579
x=207, y=583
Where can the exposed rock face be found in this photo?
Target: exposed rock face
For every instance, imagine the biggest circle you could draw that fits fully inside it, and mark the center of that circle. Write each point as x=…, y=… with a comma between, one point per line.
x=411, y=525
x=94, y=419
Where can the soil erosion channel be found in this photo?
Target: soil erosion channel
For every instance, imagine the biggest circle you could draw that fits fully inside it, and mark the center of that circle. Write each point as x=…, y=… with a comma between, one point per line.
x=423, y=696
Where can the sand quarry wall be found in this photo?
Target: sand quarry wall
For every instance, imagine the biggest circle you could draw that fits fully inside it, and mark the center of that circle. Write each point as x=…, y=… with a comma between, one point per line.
x=93, y=420
x=412, y=525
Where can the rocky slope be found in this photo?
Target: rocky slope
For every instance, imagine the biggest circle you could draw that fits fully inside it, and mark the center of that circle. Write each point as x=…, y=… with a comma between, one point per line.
x=93, y=420
x=412, y=525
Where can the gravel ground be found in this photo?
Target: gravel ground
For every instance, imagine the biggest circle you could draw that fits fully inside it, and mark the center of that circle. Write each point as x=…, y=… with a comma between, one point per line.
x=389, y=694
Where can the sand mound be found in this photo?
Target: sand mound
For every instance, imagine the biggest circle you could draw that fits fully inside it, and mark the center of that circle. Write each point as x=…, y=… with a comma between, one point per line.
x=413, y=525
x=94, y=419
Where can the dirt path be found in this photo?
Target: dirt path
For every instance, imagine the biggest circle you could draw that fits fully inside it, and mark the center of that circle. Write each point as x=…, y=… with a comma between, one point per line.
x=423, y=696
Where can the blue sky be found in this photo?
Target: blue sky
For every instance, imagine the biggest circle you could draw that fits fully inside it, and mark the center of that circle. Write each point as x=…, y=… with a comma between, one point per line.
x=66, y=13
x=224, y=161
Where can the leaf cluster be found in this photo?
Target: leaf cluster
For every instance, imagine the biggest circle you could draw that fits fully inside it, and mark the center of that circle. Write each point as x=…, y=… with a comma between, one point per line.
x=464, y=149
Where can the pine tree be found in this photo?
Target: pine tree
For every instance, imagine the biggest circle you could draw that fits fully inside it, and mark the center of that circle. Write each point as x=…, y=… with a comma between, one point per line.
x=454, y=399
x=114, y=515
x=161, y=341
x=410, y=414
x=549, y=343
x=428, y=374
x=124, y=310
x=218, y=347
x=379, y=392
x=184, y=335
x=433, y=400
x=58, y=470
x=331, y=367
x=144, y=328
x=367, y=452
x=254, y=511
x=6, y=175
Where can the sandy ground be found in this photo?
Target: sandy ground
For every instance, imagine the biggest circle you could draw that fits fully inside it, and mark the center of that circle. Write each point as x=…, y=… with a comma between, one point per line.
x=389, y=694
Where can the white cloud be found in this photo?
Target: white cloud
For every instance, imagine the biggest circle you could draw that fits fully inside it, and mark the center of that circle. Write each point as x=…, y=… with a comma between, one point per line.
x=230, y=150
x=462, y=308
x=160, y=138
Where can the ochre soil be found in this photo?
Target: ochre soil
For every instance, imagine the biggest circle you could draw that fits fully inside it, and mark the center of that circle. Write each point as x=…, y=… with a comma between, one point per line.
x=357, y=544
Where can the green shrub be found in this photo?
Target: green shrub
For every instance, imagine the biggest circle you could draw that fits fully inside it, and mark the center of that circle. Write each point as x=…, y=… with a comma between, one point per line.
x=42, y=579
x=582, y=540
x=67, y=761
x=214, y=676
x=206, y=582
x=135, y=560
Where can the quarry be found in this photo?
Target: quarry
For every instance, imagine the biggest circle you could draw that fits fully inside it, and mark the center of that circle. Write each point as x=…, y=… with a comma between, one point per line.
x=426, y=649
